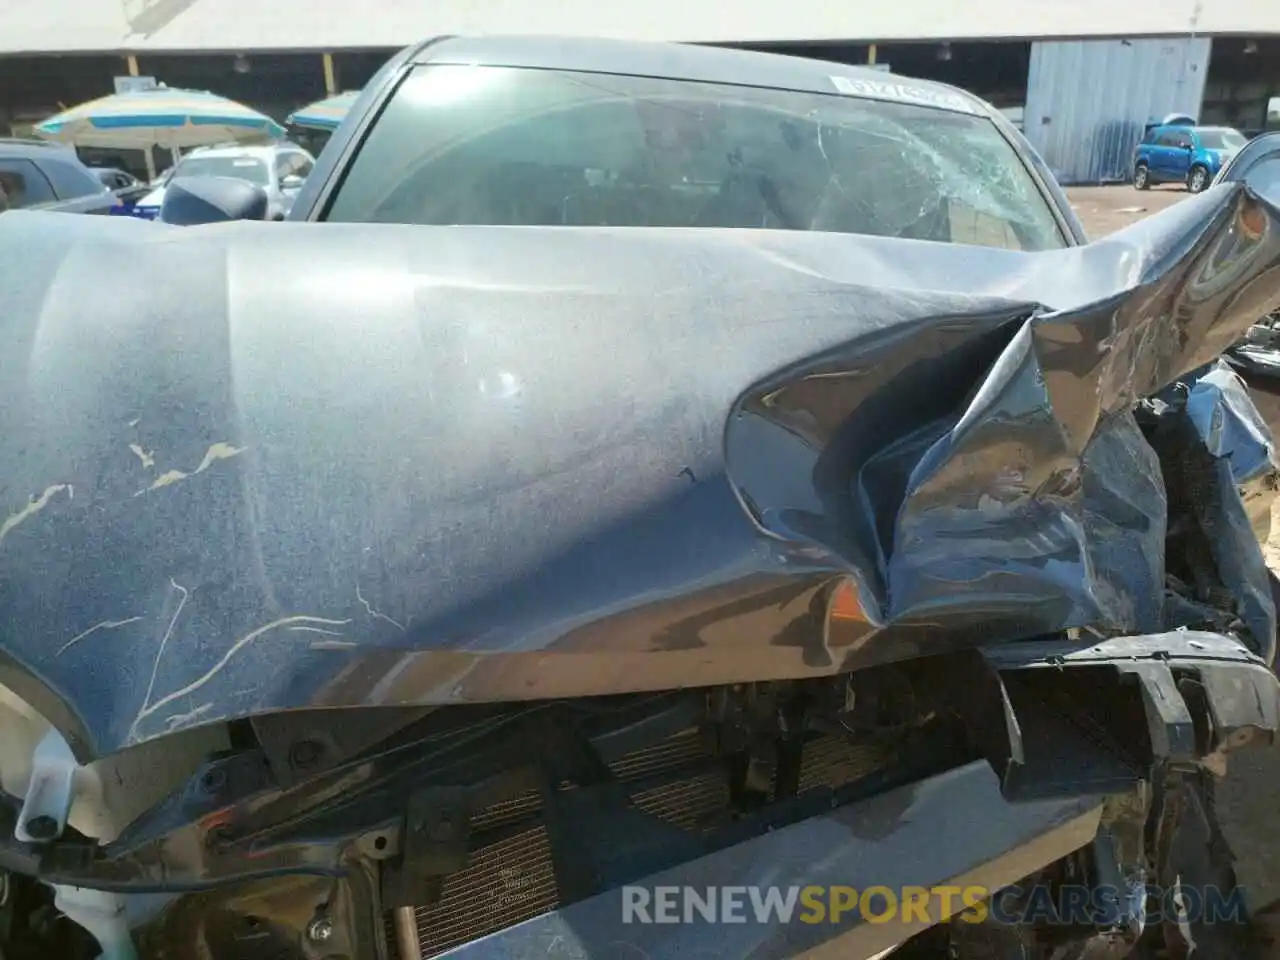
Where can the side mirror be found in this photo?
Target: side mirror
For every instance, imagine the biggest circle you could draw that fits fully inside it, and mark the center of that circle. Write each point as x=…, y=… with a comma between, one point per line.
x=292, y=182
x=189, y=201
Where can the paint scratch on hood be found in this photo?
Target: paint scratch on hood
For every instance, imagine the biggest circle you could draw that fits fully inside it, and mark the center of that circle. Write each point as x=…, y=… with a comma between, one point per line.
x=219, y=451
x=148, y=461
x=104, y=625
x=149, y=708
x=35, y=506
x=180, y=720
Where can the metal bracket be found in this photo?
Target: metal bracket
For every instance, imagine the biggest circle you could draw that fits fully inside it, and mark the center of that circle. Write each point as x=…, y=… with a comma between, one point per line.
x=435, y=843
x=598, y=839
x=302, y=745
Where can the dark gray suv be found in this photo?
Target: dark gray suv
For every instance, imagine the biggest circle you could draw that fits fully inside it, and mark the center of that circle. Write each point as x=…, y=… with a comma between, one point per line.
x=49, y=177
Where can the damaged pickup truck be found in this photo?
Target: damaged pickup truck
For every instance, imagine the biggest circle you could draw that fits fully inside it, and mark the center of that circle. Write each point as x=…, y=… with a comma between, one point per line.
x=669, y=476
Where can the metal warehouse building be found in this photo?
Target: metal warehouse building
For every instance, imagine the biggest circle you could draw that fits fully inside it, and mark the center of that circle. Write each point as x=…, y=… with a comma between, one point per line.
x=1083, y=75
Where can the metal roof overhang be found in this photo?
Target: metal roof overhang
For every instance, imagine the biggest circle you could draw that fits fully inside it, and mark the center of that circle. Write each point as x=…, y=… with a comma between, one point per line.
x=234, y=26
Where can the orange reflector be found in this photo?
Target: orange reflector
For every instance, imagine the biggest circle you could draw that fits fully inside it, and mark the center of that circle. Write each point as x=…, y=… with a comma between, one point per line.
x=1252, y=220
x=845, y=604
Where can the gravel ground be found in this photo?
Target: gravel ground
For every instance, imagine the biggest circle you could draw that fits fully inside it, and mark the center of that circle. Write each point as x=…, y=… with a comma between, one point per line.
x=1247, y=798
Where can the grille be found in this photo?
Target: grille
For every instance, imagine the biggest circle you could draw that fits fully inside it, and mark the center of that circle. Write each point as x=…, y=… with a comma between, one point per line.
x=510, y=880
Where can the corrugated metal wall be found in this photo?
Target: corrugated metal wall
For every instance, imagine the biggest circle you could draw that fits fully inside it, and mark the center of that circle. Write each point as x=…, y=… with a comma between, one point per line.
x=1088, y=101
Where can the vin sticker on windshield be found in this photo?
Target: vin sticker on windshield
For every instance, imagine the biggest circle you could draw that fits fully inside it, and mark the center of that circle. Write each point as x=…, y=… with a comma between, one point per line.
x=902, y=93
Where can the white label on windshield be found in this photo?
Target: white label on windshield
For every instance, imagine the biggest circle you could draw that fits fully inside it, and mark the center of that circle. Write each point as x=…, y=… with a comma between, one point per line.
x=244, y=163
x=902, y=93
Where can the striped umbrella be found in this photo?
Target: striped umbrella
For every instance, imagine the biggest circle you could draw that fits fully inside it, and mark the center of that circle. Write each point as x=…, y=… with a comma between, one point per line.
x=324, y=114
x=158, y=118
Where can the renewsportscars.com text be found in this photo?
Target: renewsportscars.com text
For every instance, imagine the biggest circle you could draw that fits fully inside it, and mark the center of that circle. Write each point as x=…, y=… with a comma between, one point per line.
x=1069, y=904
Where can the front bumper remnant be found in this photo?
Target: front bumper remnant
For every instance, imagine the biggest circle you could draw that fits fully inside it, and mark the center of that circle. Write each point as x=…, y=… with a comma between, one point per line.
x=952, y=830
x=1094, y=717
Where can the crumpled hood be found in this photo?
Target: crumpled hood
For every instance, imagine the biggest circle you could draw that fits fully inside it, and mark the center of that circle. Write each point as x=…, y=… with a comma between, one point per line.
x=254, y=467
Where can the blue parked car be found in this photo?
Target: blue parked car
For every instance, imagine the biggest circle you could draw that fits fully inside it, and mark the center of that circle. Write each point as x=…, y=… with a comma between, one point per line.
x=1173, y=153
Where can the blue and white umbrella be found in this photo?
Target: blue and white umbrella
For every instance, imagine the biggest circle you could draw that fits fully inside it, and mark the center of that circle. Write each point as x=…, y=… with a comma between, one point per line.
x=158, y=118
x=324, y=114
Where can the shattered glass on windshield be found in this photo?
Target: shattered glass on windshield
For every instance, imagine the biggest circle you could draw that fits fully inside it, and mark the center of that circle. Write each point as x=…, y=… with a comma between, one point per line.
x=482, y=145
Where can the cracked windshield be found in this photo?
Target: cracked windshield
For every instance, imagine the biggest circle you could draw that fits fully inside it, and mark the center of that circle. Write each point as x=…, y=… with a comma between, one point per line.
x=474, y=145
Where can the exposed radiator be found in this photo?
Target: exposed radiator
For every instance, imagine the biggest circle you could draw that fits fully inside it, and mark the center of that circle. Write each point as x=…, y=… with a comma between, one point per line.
x=511, y=879
x=505, y=883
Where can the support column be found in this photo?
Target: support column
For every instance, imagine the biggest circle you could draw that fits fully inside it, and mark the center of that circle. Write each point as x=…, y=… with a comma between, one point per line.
x=330, y=76
x=871, y=55
x=131, y=63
